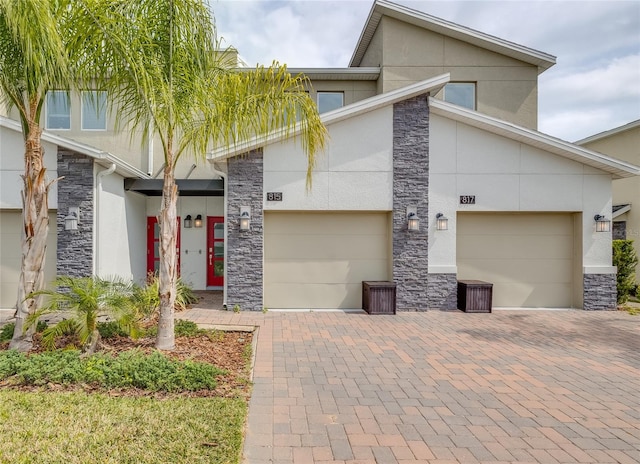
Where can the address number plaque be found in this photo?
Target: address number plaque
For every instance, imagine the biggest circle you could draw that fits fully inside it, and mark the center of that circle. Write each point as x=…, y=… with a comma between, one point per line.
x=274, y=196
x=467, y=199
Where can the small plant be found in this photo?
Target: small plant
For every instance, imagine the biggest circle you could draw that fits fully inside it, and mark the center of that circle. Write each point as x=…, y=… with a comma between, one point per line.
x=111, y=329
x=184, y=328
x=148, y=300
x=236, y=308
x=265, y=310
x=6, y=332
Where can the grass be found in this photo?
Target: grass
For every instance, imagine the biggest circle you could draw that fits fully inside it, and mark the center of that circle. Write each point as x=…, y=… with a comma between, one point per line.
x=70, y=428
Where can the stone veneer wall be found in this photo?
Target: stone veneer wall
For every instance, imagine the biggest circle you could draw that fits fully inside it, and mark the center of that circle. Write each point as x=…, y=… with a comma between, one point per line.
x=600, y=292
x=75, y=247
x=443, y=291
x=411, y=188
x=245, y=249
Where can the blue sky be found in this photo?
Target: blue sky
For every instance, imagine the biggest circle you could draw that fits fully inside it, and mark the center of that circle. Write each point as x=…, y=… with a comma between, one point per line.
x=594, y=86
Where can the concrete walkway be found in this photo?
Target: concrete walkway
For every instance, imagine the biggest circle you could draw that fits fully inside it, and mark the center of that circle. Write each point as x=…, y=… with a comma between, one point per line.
x=442, y=387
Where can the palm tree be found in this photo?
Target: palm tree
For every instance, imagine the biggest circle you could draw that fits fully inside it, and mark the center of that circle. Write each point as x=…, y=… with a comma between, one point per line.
x=33, y=61
x=163, y=66
x=84, y=300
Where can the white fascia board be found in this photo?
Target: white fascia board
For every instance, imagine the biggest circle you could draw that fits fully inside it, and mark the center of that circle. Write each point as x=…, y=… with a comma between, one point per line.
x=616, y=167
x=331, y=117
x=382, y=7
x=609, y=133
x=107, y=158
x=621, y=211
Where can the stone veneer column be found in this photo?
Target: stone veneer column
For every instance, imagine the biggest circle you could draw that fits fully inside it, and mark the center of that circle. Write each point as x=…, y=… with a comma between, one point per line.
x=75, y=247
x=443, y=291
x=411, y=188
x=245, y=249
x=600, y=292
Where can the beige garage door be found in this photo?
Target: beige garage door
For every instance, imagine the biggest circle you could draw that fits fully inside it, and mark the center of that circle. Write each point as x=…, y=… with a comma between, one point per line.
x=11, y=255
x=527, y=257
x=319, y=260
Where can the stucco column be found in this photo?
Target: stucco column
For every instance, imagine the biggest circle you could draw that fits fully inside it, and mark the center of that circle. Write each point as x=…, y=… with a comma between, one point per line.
x=411, y=190
x=245, y=248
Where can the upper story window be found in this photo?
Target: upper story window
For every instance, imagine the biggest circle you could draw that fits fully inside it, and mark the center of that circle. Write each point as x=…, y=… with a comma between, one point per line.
x=461, y=94
x=58, y=114
x=94, y=110
x=328, y=101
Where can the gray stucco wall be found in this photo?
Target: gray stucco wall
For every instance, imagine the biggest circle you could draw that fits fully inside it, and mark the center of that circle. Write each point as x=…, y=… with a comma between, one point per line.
x=411, y=189
x=245, y=248
x=75, y=247
x=600, y=292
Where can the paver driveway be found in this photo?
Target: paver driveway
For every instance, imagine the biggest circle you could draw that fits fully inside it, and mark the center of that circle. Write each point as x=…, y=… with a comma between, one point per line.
x=440, y=387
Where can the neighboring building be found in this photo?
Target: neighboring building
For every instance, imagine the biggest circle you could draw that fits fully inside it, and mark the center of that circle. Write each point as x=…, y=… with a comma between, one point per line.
x=623, y=143
x=430, y=118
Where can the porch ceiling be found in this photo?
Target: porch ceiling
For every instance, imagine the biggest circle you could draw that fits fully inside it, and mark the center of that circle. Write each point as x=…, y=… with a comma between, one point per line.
x=186, y=187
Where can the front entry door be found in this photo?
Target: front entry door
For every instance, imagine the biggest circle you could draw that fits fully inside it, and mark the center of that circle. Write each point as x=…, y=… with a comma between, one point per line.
x=215, y=251
x=153, y=246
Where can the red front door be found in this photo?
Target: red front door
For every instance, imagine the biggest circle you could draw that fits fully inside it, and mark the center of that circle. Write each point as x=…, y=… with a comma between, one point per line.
x=215, y=251
x=153, y=245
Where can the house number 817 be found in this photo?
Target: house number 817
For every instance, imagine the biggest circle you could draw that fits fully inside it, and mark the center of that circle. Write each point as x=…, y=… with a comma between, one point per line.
x=467, y=199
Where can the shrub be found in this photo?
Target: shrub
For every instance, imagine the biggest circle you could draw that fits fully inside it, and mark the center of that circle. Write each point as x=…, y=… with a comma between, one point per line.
x=6, y=332
x=131, y=369
x=111, y=329
x=625, y=258
x=187, y=328
x=147, y=298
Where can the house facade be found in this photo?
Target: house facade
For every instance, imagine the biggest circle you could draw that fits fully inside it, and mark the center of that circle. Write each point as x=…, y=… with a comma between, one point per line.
x=430, y=120
x=623, y=143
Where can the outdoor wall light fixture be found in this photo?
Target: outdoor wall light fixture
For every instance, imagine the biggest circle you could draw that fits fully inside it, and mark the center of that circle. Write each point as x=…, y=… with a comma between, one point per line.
x=187, y=222
x=245, y=218
x=442, y=223
x=71, y=219
x=413, y=221
x=198, y=222
x=602, y=223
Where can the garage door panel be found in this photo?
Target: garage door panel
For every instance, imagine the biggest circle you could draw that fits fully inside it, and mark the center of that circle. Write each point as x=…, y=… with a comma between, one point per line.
x=337, y=272
x=516, y=295
x=326, y=246
x=319, y=260
x=527, y=257
x=314, y=296
x=505, y=246
x=517, y=270
x=516, y=224
x=288, y=224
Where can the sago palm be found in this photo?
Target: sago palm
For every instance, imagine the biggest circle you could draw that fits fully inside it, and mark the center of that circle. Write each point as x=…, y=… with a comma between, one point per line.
x=83, y=300
x=33, y=60
x=164, y=68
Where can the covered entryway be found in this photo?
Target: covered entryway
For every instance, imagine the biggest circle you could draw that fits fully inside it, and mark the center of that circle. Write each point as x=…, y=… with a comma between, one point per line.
x=319, y=260
x=529, y=257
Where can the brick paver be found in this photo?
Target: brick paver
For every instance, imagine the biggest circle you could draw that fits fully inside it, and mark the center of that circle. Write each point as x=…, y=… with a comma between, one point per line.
x=442, y=387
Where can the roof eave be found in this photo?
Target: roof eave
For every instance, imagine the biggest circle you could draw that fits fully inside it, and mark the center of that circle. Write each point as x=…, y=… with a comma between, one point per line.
x=617, y=168
x=428, y=86
x=382, y=7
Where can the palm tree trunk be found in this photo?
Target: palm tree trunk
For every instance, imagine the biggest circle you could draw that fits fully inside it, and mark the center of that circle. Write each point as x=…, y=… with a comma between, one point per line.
x=35, y=220
x=167, y=286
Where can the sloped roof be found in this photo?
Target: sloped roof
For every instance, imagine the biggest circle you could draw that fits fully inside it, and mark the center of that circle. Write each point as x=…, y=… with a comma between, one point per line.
x=609, y=133
x=617, y=168
x=432, y=85
x=449, y=29
x=103, y=158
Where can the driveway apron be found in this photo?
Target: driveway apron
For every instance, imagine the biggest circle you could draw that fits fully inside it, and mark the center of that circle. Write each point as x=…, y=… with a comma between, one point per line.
x=443, y=387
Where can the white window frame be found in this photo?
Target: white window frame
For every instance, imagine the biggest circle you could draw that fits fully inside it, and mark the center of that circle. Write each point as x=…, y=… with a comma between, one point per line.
x=49, y=115
x=90, y=101
x=327, y=92
x=472, y=85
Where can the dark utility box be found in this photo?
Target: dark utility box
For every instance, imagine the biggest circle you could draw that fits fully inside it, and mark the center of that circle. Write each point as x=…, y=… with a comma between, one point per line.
x=475, y=296
x=379, y=297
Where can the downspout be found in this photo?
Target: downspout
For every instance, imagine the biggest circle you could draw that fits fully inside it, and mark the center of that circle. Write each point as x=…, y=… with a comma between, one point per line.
x=96, y=216
x=225, y=209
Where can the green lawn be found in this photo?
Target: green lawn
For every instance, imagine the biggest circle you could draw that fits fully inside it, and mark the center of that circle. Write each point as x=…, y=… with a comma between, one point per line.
x=70, y=428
